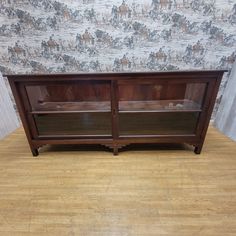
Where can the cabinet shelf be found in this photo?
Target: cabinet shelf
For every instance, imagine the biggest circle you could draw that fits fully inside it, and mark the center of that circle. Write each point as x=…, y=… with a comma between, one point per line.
x=124, y=106
x=72, y=107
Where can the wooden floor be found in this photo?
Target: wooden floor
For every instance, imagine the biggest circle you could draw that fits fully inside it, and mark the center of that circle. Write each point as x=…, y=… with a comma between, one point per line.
x=140, y=192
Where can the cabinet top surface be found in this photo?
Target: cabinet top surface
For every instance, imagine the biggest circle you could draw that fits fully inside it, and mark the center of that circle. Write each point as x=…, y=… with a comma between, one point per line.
x=118, y=75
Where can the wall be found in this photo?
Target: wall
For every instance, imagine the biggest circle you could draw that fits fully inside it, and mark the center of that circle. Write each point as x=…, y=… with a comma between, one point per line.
x=45, y=36
x=8, y=118
x=226, y=116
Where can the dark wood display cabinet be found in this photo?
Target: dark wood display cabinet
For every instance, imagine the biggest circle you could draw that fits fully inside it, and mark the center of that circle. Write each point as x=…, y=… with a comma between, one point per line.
x=116, y=109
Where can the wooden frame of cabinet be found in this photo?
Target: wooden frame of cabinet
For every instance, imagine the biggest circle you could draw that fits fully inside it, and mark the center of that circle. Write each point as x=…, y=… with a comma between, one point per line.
x=118, y=106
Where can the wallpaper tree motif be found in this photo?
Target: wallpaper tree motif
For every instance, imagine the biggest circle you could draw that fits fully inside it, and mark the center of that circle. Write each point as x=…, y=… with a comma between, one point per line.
x=45, y=36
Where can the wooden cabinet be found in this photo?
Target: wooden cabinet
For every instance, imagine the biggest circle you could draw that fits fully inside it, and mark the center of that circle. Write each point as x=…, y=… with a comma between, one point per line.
x=116, y=109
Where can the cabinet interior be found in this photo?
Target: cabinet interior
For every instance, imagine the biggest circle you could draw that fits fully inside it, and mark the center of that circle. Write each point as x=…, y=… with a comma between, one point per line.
x=84, y=108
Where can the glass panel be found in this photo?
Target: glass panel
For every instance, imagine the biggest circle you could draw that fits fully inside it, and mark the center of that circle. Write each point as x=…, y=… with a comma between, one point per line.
x=161, y=97
x=174, y=123
x=74, y=124
x=79, y=96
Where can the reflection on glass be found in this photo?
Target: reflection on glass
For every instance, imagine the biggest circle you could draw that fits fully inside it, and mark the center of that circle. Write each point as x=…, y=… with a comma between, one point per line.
x=84, y=96
x=74, y=124
x=161, y=97
x=173, y=123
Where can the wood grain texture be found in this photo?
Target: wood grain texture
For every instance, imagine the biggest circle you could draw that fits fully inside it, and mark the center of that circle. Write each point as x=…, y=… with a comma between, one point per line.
x=161, y=191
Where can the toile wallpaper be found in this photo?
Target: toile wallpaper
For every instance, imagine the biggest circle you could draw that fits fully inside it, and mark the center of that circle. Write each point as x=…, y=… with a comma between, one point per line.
x=48, y=36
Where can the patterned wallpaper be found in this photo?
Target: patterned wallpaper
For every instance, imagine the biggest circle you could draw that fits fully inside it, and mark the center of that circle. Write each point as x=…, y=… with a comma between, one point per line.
x=45, y=36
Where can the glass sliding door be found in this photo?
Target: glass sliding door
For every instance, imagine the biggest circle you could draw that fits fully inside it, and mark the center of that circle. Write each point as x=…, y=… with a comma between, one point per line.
x=81, y=108
x=159, y=108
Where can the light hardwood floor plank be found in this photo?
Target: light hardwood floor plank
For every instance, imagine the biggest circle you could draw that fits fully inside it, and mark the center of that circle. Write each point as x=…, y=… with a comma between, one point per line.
x=144, y=191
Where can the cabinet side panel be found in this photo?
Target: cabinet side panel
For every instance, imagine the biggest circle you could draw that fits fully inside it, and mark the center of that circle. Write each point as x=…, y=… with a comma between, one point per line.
x=22, y=112
x=208, y=106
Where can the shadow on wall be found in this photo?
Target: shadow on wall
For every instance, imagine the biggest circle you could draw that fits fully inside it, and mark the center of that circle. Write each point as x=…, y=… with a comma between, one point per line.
x=226, y=116
x=8, y=118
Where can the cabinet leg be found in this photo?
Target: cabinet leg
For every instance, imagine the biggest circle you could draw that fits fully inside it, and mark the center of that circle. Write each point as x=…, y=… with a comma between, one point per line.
x=198, y=149
x=35, y=152
x=115, y=151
